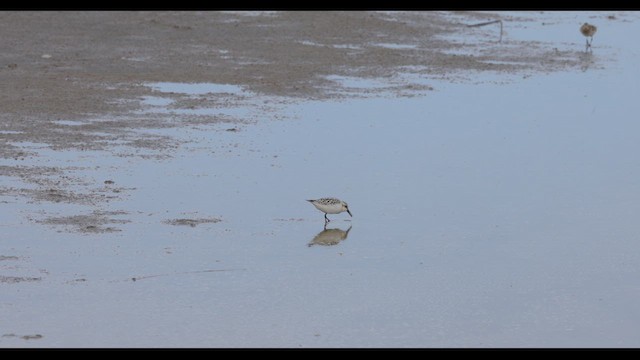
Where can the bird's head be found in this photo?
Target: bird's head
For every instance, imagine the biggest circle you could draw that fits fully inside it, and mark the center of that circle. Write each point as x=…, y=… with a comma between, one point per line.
x=345, y=207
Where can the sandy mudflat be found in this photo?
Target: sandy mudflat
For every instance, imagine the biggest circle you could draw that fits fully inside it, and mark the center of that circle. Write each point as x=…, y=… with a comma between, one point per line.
x=154, y=168
x=92, y=67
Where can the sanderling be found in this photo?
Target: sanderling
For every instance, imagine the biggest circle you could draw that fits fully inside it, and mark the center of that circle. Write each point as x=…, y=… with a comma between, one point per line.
x=330, y=206
x=588, y=31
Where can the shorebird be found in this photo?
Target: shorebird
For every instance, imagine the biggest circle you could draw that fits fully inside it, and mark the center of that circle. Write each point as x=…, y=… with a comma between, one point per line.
x=588, y=31
x=330, y=206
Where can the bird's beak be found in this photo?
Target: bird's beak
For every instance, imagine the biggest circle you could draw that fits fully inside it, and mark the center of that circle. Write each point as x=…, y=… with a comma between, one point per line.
x=349, y=212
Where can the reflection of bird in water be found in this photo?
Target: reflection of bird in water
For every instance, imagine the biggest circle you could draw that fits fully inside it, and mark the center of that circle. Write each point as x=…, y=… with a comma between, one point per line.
x=588, y=31
x=586, y=61
x=329, y=237
x=330, y=206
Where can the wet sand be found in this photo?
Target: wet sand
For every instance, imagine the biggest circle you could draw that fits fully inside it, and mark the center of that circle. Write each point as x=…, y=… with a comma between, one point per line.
x=111, y=174
x=92, y=67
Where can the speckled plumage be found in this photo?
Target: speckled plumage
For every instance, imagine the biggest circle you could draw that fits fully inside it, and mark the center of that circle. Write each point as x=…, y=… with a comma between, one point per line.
x=588, y=31
x=330, y=206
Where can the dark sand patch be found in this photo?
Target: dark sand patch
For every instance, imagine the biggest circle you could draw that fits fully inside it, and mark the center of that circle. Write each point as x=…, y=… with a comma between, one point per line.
x=17, y=279
x=90, y=223
x=3, y=258
x=24, y=337
x=191, y=222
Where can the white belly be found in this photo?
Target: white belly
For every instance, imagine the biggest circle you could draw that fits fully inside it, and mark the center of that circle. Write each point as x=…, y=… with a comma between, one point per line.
x=329, y=209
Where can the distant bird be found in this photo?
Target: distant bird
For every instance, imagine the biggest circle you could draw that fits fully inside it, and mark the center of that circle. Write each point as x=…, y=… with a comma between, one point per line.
x=588, y=31
x=330, y=206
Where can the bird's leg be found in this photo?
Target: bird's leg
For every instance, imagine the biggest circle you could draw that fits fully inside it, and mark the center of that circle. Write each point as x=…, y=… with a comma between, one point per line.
x=589, y=42
x=326, y=219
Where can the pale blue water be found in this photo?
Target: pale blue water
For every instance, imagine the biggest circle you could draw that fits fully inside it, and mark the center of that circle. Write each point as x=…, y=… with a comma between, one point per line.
x=484, y=215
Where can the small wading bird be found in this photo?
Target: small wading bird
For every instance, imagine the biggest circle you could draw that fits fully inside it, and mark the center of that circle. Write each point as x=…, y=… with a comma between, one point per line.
x=588, y=31
x=330, y=206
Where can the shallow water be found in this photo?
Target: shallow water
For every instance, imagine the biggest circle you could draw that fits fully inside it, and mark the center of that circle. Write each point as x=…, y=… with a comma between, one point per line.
x=499, y=213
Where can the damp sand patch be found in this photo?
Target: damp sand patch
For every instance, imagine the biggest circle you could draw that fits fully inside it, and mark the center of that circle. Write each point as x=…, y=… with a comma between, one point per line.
x=3, y=258
x=96, y=222
x=191, y=222
x=24, y=337
x=17, y=279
